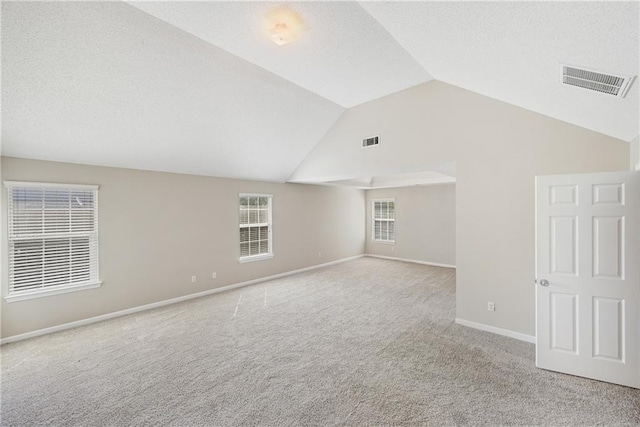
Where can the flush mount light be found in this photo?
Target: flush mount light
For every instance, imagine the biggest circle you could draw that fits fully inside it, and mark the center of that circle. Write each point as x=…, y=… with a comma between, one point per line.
x=283, y=25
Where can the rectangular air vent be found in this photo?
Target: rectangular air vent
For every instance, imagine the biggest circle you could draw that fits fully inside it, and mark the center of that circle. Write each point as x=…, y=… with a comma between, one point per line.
x=612, y=84
x=371, y=141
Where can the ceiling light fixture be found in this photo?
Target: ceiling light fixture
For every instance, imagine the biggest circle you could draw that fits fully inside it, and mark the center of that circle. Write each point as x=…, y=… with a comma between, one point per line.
x=283, y=25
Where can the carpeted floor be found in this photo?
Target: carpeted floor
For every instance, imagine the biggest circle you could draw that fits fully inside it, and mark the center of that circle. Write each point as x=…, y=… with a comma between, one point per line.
x=368, y=342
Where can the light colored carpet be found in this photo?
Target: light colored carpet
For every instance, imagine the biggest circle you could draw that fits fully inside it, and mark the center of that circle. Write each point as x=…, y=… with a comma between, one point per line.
x=368, y=342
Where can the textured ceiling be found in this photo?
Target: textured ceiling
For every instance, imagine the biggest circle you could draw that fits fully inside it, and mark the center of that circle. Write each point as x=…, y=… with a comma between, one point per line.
x=105, y=83
x=511, y=51
x=198, y=87
x=343, y=54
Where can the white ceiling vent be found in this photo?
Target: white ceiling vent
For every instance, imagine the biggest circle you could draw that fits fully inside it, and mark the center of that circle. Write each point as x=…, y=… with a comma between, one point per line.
x=371, y=141
x=611, y=84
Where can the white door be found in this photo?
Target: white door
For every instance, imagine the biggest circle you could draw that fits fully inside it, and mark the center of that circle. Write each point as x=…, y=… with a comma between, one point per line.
x=587, y=276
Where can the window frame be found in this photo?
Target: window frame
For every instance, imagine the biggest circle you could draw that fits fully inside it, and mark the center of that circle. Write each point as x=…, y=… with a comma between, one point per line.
x=44, y=291
x=269, y=224
x=374, y=219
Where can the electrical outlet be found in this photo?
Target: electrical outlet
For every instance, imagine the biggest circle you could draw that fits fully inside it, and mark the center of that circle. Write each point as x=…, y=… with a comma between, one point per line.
x=491, y=306
x=319, y=254
x=214, y=275
x=193, y=279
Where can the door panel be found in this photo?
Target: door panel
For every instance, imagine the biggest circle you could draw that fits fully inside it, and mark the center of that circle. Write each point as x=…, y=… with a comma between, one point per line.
x=563, y=245
x=608, y=336
x=608, y=244
x=563, y=195
x=611, y=194
x=587, y=253
x=564, y=322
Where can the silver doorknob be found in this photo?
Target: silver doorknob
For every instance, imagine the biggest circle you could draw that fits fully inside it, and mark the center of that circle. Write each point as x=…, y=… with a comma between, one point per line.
x=543, y=282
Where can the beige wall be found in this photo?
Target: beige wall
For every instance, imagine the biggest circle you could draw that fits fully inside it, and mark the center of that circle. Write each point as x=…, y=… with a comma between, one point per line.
x=159, y=229
x=425, y=223
x=498, y=149
x=634, y=154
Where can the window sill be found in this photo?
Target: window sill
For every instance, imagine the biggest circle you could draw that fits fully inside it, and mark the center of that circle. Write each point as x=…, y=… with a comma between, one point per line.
x=386, y=242
x=255, y=258
x=49, y=292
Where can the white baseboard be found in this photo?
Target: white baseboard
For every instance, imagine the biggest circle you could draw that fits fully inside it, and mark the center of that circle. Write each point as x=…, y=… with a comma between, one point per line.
x=434, y=264
x=507, y=333
x=138, y=309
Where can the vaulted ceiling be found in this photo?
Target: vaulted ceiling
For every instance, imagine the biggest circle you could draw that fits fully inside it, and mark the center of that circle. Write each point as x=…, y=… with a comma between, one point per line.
x=344, y=54
x=198, y=87
x=512, y=51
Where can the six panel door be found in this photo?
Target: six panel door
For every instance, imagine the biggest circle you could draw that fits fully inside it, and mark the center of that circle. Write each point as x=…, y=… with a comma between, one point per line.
x=588, y=281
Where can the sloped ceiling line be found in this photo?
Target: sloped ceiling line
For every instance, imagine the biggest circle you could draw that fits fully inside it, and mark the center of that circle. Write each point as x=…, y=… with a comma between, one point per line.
x=196, y=87
x=104, y=83
x=345, y=55
x=512, y=51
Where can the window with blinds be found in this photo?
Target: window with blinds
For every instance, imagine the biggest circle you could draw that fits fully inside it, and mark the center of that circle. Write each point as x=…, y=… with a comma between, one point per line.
x=255, y=226
x=53, y=237
x=384, y=217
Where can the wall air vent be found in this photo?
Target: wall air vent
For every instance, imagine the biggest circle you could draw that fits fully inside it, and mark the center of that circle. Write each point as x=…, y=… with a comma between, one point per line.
x=612, y=84
x=371, y=141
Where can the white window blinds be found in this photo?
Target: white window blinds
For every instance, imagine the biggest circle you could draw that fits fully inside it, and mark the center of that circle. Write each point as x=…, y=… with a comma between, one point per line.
x=53, y=236
x=255, y=225
x=384, y=217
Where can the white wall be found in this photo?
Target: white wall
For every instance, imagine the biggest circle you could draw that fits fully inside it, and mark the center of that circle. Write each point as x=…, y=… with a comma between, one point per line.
x=498, y=150
x=425, y=224
x=159, y=229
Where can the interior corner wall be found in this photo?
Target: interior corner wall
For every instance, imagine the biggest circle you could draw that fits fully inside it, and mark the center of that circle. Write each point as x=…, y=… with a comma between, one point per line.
x=158, y=229
x=498, y=149
x=635, y=154
x=2, y=238
x=425, y=224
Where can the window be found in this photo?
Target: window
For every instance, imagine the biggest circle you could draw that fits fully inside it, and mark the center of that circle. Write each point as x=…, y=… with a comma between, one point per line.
x=255, y=227
x=384, y=217
x=53, y=239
